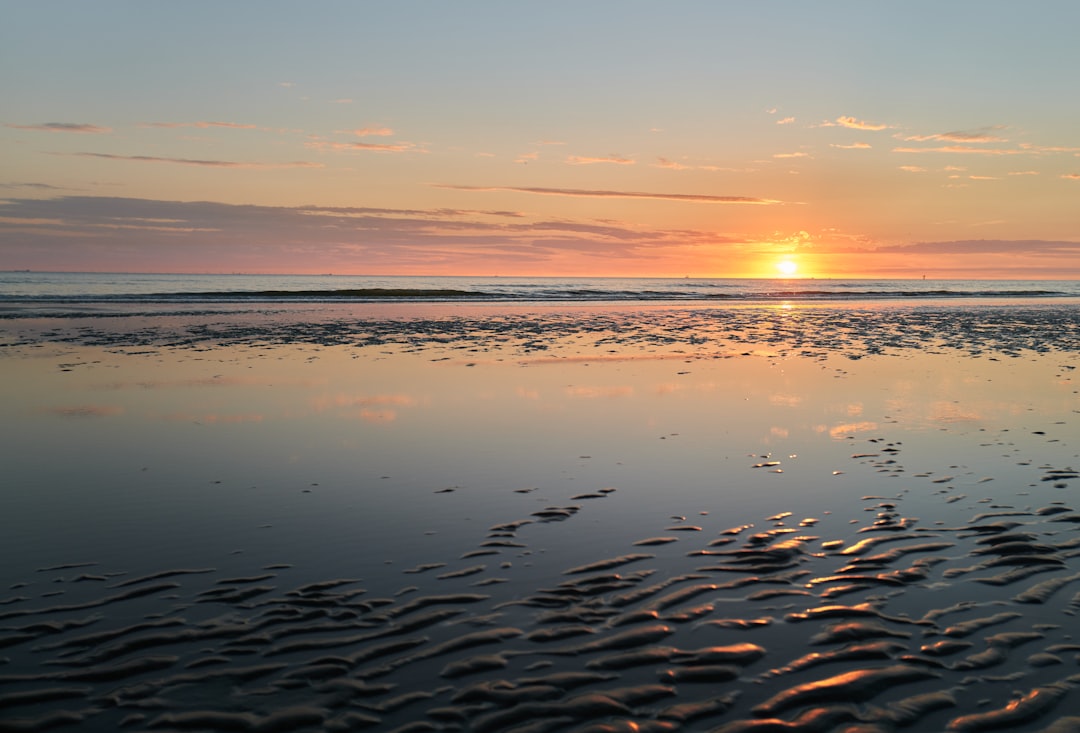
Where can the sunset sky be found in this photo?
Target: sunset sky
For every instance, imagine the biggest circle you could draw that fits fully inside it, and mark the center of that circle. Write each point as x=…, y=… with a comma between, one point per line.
x=603, y=137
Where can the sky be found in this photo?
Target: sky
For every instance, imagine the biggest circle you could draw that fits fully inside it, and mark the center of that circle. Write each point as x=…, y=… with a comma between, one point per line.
x=562, y=138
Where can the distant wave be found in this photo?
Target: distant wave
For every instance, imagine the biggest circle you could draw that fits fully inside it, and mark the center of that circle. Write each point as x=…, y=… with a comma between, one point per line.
x=525, y=295
x=89, y=288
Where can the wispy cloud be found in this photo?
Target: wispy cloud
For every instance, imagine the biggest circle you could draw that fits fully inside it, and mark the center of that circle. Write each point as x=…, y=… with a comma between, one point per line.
x=671, y=165
x=856, y=124
x=964, y=150
x=1071, y=176
x=1048, y=148
x=378, y=131
x=32, y=185
x=202, y=124
x=362, y=147
x=586, y=160
x=196, y=162
x=86, y=410
x=587, y=193
x=791, y=155
x=987, y=246
x=853, y=146
x=913, y=168
x=980, y=135
x=785, y=121
x=77, y=127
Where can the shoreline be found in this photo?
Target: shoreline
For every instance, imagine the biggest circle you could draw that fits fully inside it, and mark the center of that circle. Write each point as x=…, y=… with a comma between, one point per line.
x=854, y=331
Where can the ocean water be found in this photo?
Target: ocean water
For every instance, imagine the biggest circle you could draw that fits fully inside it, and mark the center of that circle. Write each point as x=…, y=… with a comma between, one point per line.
x=31, y=287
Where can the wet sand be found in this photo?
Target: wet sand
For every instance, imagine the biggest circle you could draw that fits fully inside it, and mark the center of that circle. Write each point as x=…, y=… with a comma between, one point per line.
x=850, y=518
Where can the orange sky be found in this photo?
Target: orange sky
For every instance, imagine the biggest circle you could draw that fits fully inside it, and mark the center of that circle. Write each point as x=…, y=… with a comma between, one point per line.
x=704, y=139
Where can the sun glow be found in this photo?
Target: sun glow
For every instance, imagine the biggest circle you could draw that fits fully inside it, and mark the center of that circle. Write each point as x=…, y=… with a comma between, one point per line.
x=787, y=268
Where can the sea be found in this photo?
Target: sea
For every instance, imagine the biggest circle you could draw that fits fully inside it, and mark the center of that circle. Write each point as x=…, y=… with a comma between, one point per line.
x=22, y=287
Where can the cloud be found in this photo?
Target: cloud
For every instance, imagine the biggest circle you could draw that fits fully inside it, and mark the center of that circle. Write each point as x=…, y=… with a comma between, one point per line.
x=1023, y=173
x=584, y=160
x=377, y=131
x=670, y=164
x=785, y=121
x=791, y=155
x=373, y=147
x=429, y=213
x=980, y=135
x=1071, y=176
x=855, y=124
x=986, y=246
x=202, y=124
x=586, y=193
x=100, y=233
x=86, y=410
x=36, y=186
x=913, y=168
x=196, y=162
x=853, y=146
x=964, y=149
x=1049, y=148
x=78, y=127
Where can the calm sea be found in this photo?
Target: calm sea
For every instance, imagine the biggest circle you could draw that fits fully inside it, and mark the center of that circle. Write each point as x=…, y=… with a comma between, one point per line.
x=30, y=287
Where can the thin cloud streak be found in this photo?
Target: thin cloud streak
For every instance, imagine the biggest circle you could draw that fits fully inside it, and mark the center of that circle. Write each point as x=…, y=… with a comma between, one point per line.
x=374, y=147
x=584, y=160
x=585, y=193
x=670, y=164
x=77, y=127
x=966, y=150
x=201, y=124
x=377, y=131
x=982, y=135
x=985, y=246
x=196, y=162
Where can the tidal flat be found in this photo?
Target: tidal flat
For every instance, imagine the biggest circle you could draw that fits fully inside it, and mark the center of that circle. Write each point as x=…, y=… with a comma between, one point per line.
x=468, y=517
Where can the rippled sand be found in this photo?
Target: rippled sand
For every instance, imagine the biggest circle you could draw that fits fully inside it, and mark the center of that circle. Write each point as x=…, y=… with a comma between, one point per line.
x=749, y=519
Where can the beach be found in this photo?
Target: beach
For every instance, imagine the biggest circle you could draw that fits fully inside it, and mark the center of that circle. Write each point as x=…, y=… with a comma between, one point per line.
x=854, y=516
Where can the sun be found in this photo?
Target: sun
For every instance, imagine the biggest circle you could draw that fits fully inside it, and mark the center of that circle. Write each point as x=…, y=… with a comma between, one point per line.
x=787, y=268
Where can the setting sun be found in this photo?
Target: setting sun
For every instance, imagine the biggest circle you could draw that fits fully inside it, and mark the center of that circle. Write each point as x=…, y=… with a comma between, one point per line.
x=787, y=268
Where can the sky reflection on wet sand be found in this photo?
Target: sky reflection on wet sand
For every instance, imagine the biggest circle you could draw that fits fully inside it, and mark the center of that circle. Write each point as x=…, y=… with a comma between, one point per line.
x=363, y=462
